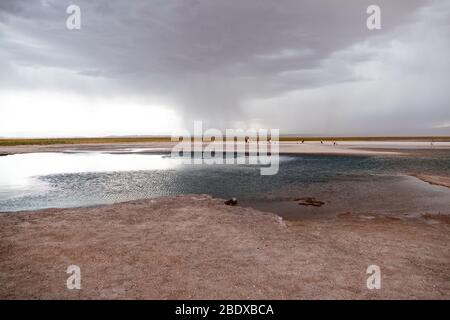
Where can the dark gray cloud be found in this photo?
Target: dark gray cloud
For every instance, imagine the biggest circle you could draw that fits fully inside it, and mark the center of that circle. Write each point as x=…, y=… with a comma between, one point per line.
x=302, y=66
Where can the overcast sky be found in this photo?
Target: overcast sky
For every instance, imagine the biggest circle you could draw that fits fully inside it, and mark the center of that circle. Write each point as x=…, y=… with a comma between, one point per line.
x=150, y=67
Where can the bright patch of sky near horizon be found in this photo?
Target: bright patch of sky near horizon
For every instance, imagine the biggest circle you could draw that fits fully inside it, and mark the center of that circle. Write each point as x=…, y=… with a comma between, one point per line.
x=302, y=66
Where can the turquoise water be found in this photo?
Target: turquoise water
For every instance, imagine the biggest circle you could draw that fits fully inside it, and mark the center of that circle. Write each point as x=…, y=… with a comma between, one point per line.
x=366, y=184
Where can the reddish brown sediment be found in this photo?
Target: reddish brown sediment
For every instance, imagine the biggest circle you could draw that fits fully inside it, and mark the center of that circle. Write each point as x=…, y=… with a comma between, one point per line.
x=196, y=247
x=435, y=180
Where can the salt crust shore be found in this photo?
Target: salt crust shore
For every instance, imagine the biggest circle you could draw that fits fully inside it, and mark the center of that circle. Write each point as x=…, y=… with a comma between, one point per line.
x=342, y=148
x=435, y=180
x=195, y=247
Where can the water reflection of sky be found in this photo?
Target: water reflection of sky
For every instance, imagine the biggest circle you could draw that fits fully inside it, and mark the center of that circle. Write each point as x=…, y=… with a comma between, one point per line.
x=18, y=171
x=43, y=180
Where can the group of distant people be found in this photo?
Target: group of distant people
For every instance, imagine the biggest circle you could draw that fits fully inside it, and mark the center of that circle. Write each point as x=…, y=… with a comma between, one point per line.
x=321, y=142
x=248, y=140
x=335, y=143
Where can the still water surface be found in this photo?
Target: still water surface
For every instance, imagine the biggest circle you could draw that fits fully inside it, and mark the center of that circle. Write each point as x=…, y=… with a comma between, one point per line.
x=358, y=184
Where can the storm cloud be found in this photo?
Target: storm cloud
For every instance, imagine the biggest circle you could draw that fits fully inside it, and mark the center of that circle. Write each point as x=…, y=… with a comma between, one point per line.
x=146, y=67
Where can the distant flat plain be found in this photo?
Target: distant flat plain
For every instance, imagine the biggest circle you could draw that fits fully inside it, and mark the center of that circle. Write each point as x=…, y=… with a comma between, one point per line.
x=83, y=140
x=297, y=145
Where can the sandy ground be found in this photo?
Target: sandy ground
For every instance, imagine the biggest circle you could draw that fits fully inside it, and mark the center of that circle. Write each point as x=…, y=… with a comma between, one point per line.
x=197, y=247
x=436, y=180
x=344, y=147
x=166, y=147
